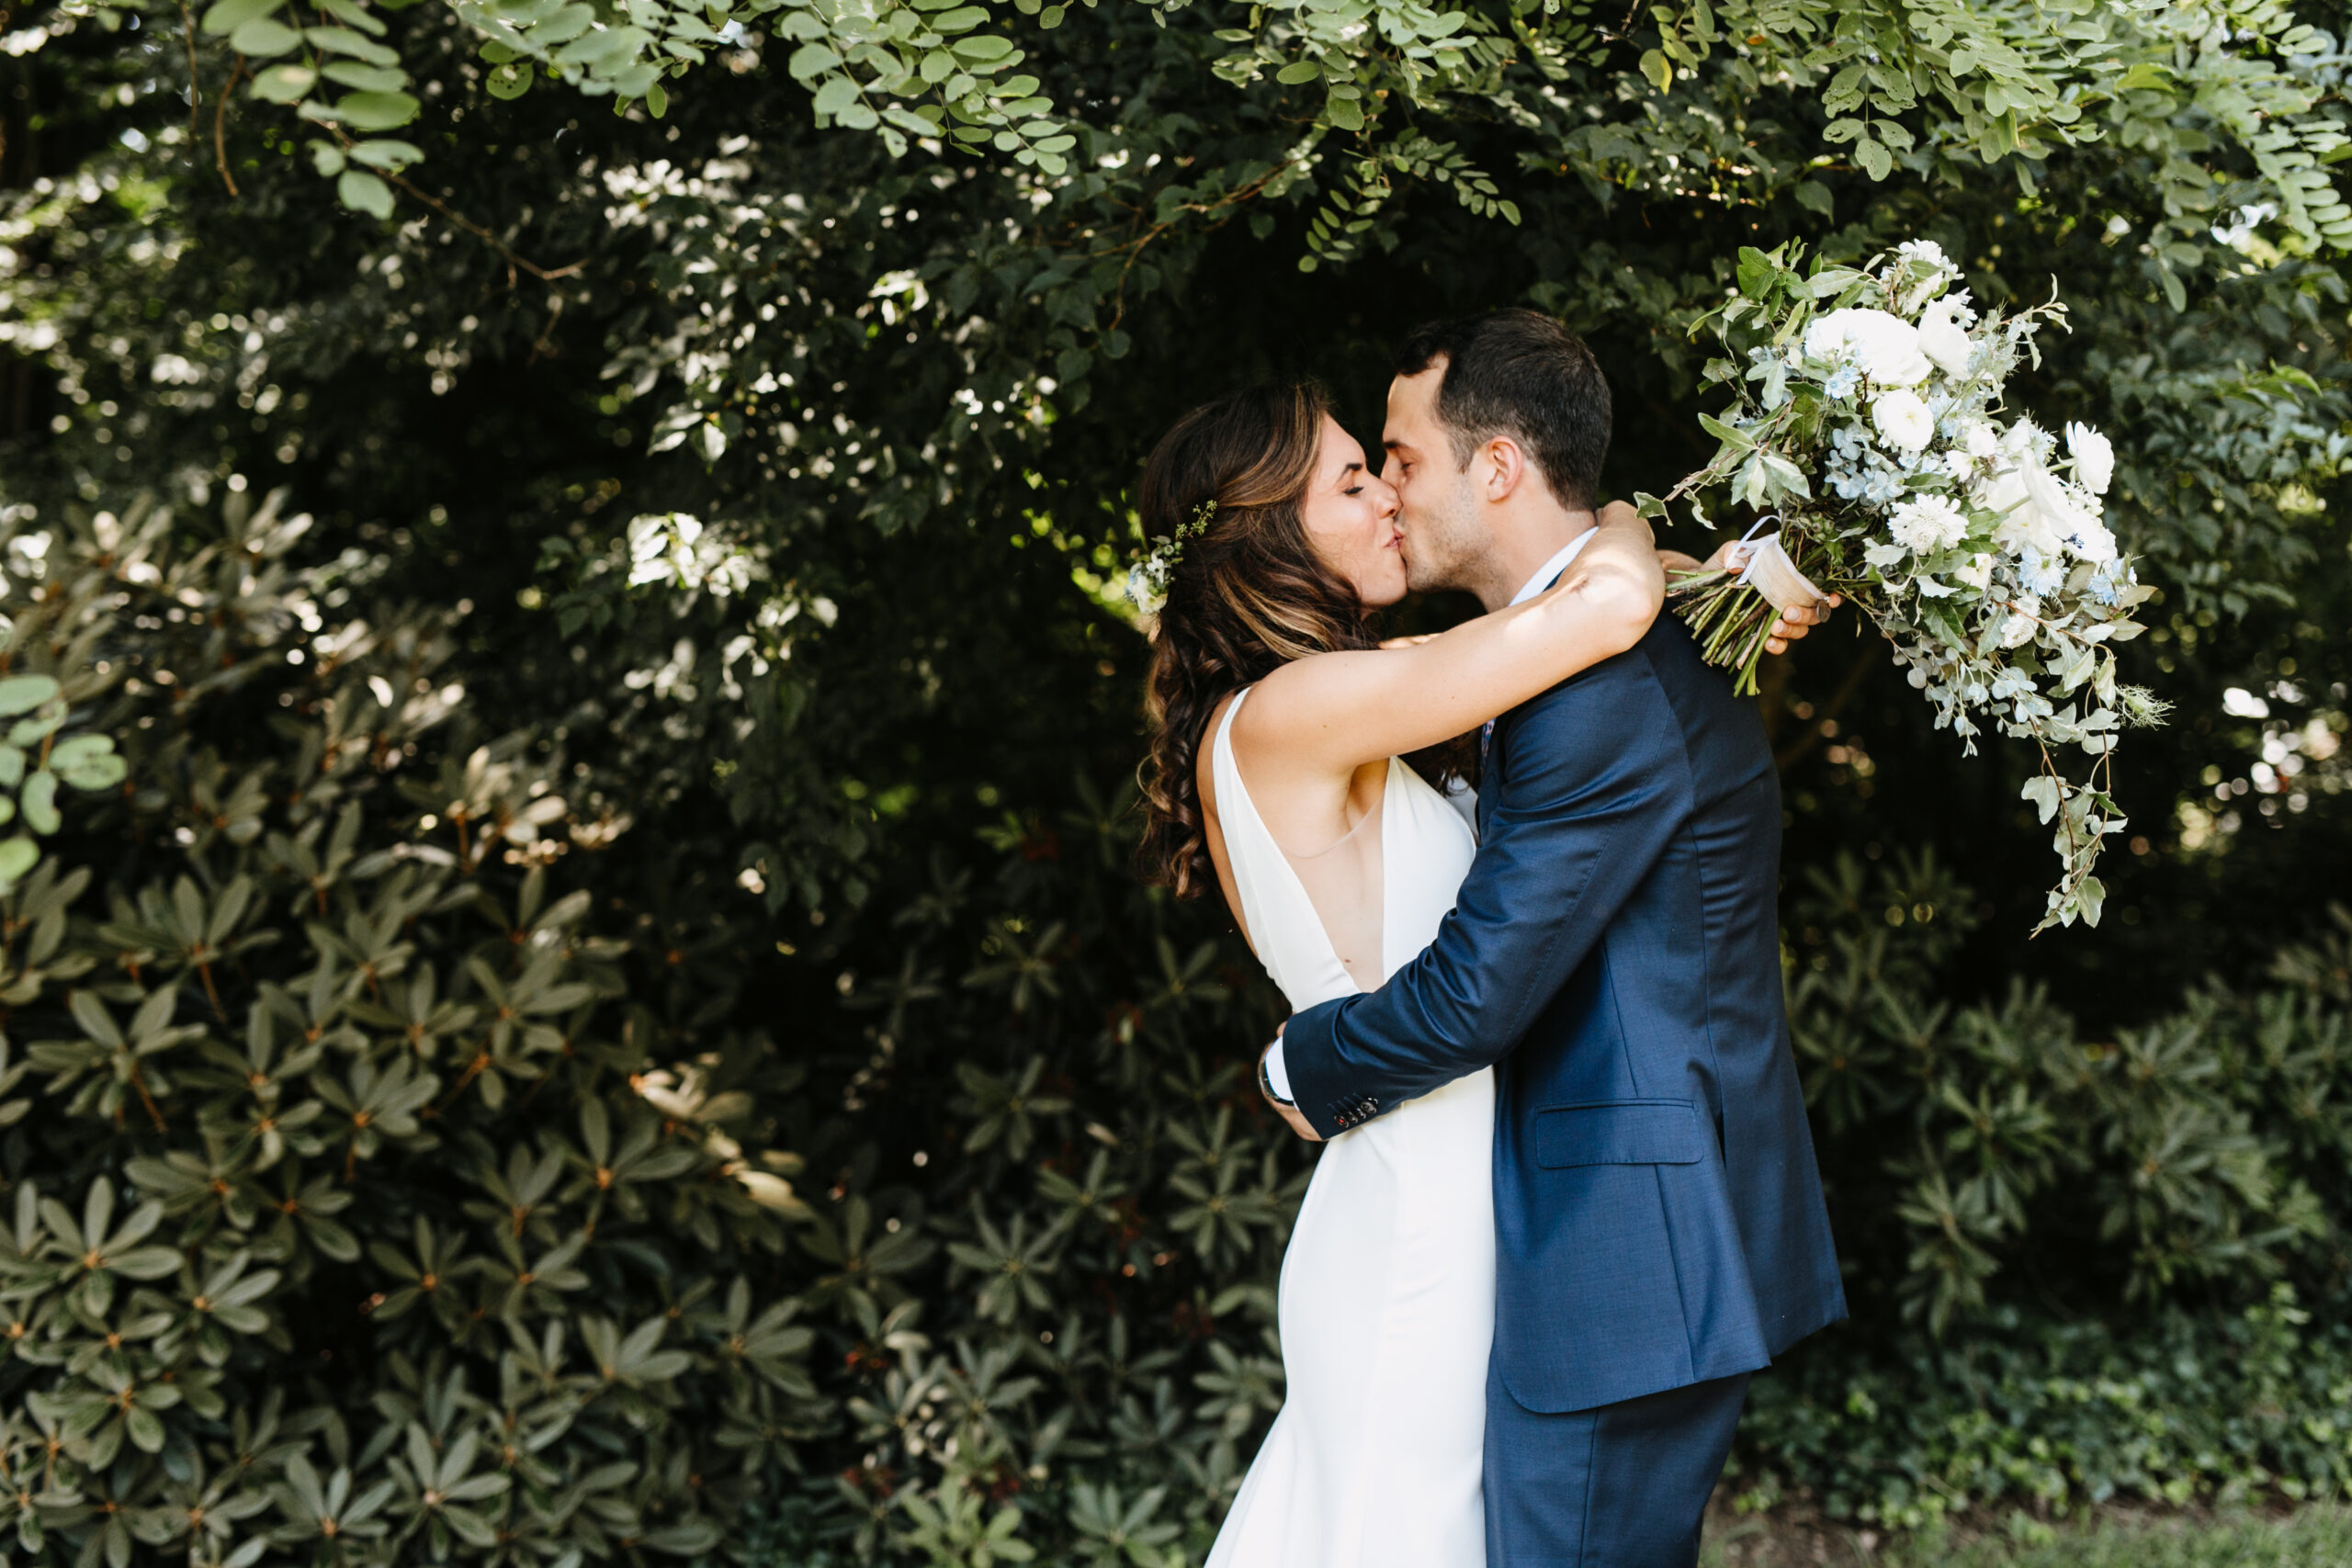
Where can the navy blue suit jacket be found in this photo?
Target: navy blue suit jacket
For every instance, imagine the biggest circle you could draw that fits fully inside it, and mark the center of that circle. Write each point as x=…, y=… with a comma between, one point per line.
x=1615, y=953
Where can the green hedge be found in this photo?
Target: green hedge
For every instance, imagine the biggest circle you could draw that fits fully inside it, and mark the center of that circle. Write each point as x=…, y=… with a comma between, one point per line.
x=386, y=1184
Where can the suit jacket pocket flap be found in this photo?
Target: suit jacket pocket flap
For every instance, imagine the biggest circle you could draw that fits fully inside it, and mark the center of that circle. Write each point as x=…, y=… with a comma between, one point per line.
x=1618, y=1132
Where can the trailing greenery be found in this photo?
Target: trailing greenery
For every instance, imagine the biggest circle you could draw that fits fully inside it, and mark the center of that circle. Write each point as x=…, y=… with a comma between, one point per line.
x=605, y=1016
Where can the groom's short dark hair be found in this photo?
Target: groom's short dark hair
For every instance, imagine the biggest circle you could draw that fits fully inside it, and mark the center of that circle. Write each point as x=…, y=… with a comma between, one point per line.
x=1522, y=375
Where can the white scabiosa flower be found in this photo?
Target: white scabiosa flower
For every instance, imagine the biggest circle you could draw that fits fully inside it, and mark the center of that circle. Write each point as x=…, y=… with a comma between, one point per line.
x=1903, y=420
x=1928, y=523
x=2093, y=457
x=1941, y=340
x=1884, y=347
x=1981, y=439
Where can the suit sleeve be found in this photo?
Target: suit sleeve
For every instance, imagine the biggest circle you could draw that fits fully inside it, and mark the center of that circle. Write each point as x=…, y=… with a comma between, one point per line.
x=1595, y=782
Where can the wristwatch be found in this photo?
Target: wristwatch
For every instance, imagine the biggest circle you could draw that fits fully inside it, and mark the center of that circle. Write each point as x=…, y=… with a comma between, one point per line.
x=1266, y=1082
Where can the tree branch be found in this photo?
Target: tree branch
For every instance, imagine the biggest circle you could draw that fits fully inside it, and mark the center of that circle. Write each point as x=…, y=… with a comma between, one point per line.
x=514, y=260
x=219, y=115
x=195, y=93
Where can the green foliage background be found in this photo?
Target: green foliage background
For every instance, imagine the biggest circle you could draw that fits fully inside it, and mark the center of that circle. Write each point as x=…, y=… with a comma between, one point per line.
x=604, y=1016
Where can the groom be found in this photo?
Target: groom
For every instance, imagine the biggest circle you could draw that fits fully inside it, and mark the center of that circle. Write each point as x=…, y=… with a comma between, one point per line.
x=1614, y=955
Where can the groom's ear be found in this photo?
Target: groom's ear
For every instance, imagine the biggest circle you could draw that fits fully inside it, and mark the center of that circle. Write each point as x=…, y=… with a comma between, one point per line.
x=1502, y=467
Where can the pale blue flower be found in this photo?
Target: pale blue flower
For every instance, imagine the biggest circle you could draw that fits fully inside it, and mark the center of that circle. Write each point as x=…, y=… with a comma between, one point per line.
x=2040, y=573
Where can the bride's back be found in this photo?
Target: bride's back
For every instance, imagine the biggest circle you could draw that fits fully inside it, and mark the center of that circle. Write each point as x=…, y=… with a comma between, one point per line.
x=1344, y=915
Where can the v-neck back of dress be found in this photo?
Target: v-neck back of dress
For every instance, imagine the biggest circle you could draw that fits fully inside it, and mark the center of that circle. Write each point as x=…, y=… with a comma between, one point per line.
x=1374, y=898
x=1387, y=1297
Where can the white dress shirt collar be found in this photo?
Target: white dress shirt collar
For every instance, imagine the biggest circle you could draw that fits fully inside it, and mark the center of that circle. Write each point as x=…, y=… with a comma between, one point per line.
x=1549, y=572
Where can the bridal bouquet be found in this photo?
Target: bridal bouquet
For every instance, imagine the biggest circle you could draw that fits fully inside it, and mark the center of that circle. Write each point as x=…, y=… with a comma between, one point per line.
x=1866, y=431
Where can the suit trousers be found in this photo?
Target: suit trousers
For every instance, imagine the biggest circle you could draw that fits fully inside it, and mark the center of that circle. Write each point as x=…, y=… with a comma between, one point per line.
x=1620, y=1486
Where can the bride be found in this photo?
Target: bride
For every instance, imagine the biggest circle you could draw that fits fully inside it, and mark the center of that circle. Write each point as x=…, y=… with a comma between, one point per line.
x=1276, y=769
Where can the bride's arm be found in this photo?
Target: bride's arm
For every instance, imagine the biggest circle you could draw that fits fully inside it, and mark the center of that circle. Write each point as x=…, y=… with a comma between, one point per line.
x=1334, y=712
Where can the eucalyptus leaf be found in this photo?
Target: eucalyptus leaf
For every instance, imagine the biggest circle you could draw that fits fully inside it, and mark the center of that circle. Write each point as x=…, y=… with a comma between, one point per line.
x=21, y=694
x=283, y=83
x=227, y=15
x=363, y=192
x=263, y=37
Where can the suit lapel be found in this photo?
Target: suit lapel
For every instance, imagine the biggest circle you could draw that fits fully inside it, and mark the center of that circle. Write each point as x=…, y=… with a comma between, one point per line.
x=1490, y=750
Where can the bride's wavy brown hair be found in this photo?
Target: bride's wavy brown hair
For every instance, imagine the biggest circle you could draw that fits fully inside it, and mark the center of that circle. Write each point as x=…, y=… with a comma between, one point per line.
x=1247, y=595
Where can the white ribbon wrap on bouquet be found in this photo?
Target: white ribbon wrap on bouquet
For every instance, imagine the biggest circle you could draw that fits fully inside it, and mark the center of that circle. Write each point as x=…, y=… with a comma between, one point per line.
x=1771, y=573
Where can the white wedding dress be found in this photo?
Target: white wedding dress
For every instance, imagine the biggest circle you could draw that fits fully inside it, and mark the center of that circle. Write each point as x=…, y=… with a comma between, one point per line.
x=1387, y=1300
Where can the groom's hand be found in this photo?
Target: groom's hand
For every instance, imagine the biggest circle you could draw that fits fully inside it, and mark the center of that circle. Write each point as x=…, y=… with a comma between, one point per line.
x=1793, y=623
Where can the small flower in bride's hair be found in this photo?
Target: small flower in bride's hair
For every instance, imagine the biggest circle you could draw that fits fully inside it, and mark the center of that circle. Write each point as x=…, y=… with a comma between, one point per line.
x=1147, y=581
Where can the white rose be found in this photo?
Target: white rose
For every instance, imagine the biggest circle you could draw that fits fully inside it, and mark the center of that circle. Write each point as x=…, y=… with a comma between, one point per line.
x=2093, y=542
x=1903, y=420
x=1928, y=524
x=2029, y=520
x=1982, y=441
x=1941, y=340
x=1884, y=347
x=2017, y=631
x=2093, y=457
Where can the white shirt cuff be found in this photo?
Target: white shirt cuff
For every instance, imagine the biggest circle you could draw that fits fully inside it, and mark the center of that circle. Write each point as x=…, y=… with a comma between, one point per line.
x=1275, y=1074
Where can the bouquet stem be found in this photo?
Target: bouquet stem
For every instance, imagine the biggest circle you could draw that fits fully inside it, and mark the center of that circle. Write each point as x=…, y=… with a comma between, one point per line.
x=1729, y=620
x=1732, y=614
